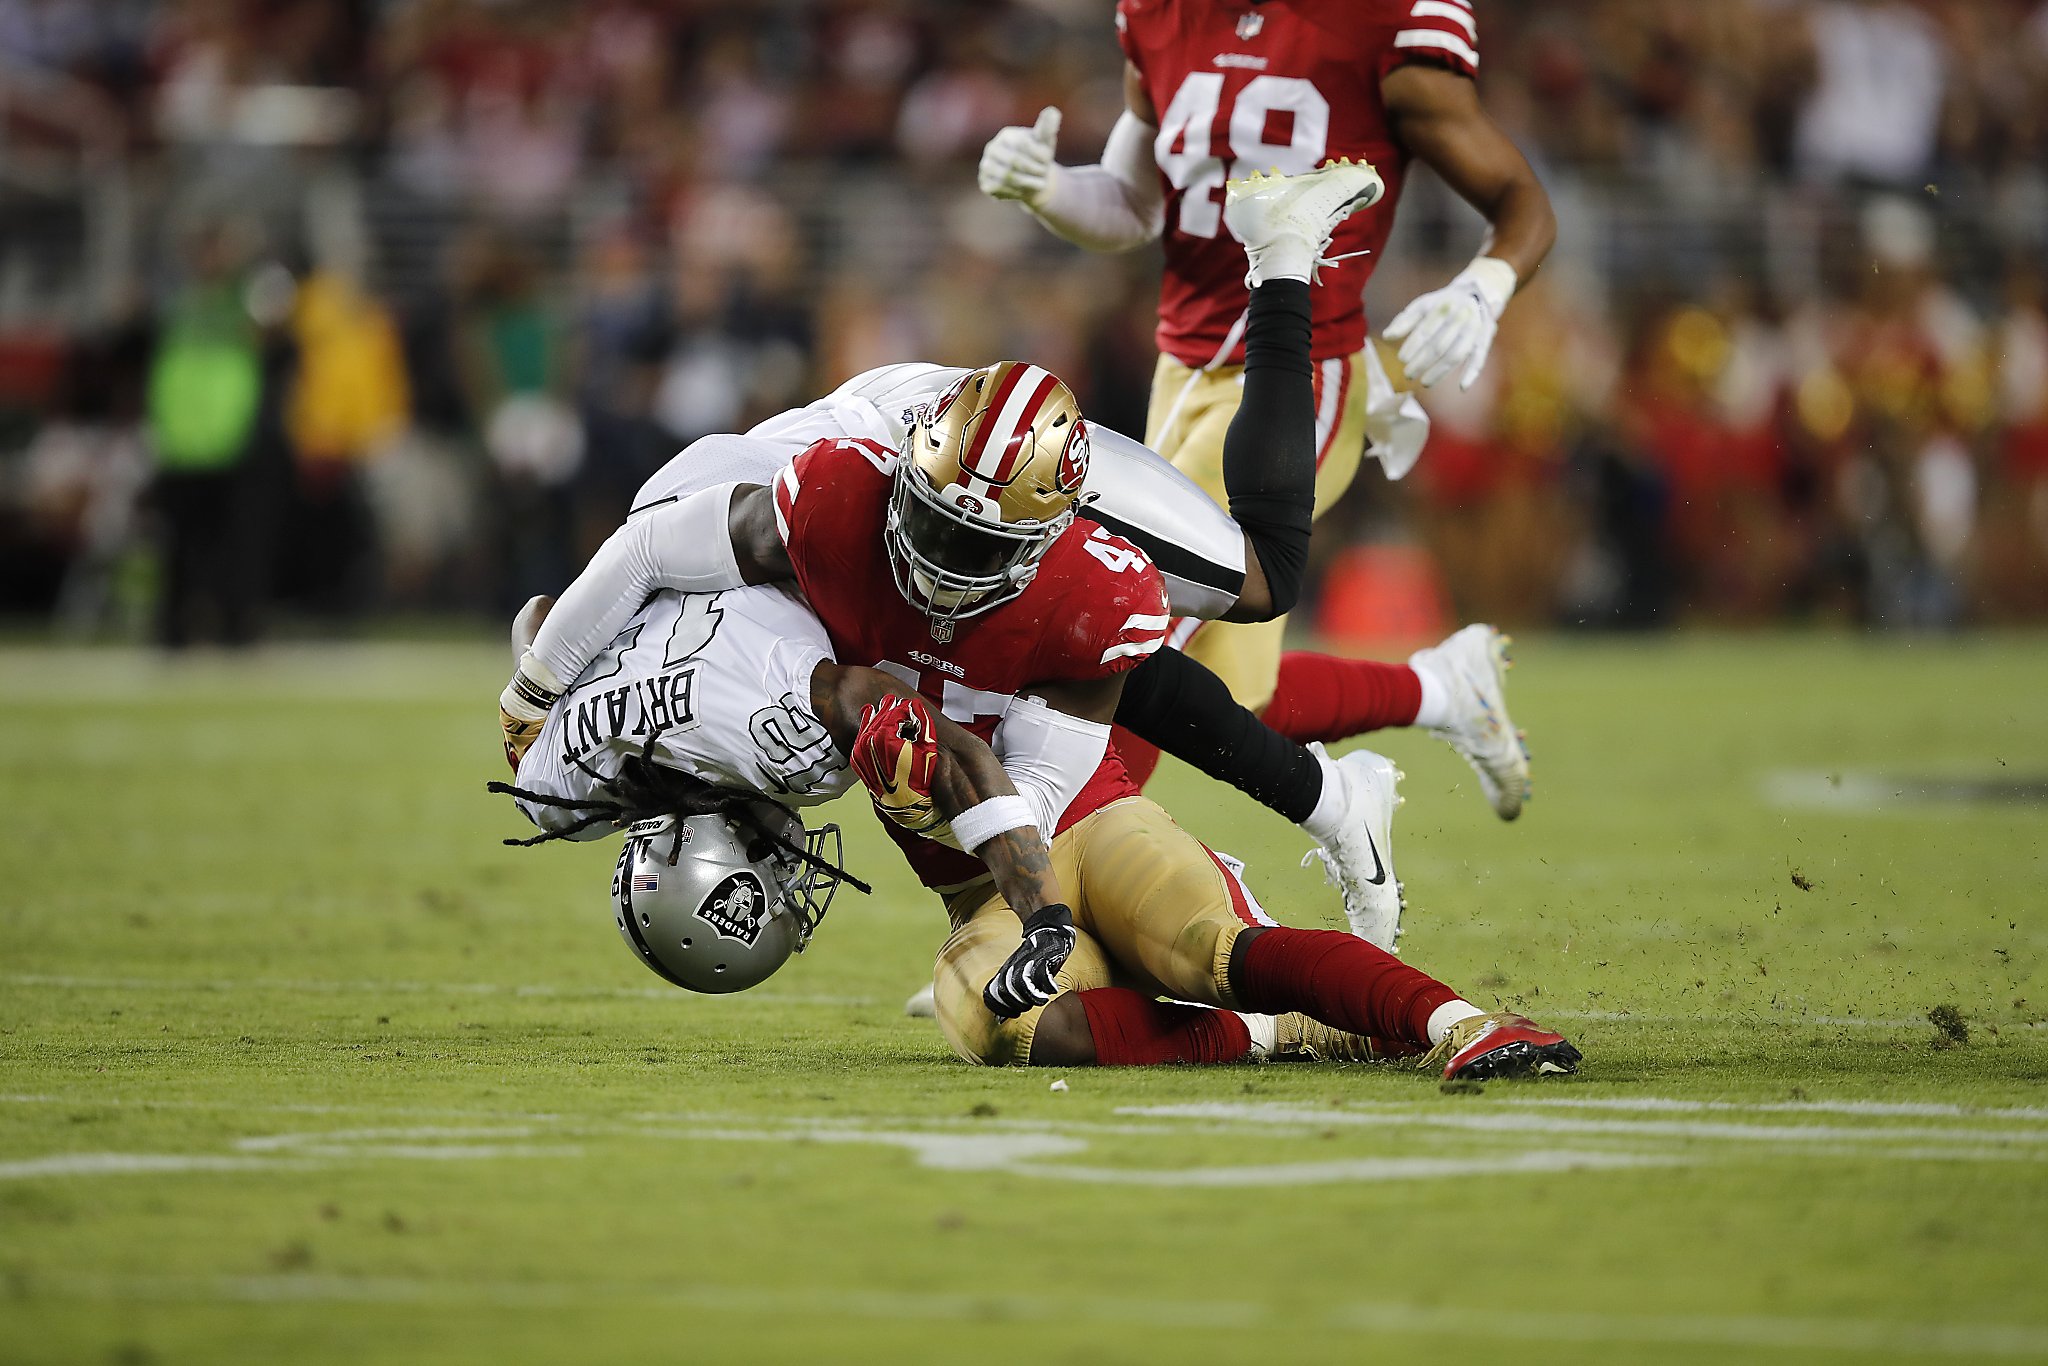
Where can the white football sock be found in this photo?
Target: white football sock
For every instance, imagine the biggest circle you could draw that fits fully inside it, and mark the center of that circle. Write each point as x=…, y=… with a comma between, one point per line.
x=1264, y=1030
x=1435, y=711
x=1327, y=820
x=1448, y=1014
x=1283, y=258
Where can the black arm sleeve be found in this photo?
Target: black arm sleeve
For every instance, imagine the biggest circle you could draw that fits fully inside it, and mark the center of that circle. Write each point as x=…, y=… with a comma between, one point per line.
x=1269, y=453
x=1175, y=703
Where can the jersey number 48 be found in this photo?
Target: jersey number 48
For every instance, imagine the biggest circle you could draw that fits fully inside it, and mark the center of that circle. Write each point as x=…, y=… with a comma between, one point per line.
x=1184, y=142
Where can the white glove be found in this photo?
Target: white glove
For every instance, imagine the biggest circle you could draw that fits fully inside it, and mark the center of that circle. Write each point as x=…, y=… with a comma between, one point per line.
x=1454, y=326
x=1017, y=163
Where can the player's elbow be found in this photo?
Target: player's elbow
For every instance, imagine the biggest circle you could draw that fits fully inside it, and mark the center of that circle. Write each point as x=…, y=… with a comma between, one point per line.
x=1146, y=209
x=1282, y=590
x=1255, y=601
x=1542, y=216
x=1523, y=220
x=1276, y=532
x=757, y=546
x=1152, y=223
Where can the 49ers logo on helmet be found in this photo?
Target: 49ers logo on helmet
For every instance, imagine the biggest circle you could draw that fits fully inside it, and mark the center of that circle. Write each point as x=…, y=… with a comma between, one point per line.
x=1074, y=458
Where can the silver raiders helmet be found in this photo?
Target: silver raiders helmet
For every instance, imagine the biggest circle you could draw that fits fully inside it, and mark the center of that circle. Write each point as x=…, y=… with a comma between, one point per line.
x=713, y=904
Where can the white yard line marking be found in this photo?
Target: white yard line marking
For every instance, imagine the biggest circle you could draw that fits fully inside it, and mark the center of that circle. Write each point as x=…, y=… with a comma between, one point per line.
x=1870, y=1337
x=338, y=1139
x=1519, y=1121
x=125, y=1164
x=1916, y=1109
x=1023, y=1149
x=1918, y=795
x=424, y=1144
x=952, y=1152
x=1359, y=1169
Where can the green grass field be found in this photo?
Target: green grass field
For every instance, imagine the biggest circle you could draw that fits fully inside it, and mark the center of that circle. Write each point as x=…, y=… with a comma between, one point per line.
x=298, y=1064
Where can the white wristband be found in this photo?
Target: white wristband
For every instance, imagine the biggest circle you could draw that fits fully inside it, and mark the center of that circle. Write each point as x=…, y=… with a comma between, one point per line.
x=979, y=824
x=532, y=691
x=1495, y=279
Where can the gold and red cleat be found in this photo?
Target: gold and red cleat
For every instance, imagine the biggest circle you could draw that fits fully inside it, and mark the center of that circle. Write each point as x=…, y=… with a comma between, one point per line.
x=1501, y=1045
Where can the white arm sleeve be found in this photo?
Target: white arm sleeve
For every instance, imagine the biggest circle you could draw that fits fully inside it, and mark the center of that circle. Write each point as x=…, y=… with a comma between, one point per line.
x=1113, y=206
x=685, y=545
x=1049, y=755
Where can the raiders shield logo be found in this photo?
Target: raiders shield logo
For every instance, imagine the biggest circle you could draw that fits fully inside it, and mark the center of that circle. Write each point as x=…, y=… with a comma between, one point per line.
x=737, y=908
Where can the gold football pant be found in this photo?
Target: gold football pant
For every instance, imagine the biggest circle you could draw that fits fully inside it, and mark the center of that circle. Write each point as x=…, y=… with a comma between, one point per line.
x=1154, y=908
x=1189, y=414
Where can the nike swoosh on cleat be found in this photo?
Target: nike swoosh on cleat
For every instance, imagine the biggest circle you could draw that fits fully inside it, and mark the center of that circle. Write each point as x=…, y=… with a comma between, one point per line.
x=1379, y=870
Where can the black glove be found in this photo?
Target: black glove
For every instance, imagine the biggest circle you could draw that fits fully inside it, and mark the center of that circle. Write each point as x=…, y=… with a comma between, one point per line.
x=1024, y=981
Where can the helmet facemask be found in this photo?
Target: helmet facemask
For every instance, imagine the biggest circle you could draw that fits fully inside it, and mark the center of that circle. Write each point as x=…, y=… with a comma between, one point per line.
x=950, y=563
x=809, y=882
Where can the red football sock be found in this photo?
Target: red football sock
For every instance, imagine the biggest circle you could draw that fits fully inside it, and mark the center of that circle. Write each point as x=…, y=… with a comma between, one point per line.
x=1322, y=697
x=1140, y=757
x=1338, y=979
x=1131, y=1029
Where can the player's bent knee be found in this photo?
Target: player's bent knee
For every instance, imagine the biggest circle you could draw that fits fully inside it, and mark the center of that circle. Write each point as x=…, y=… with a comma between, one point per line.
x=1156, y=895
x=975, y=1033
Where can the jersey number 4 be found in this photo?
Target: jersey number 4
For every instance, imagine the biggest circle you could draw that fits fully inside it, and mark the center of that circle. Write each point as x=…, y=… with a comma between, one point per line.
x=697, y=618
x=1115, y=556
x=1185, y=150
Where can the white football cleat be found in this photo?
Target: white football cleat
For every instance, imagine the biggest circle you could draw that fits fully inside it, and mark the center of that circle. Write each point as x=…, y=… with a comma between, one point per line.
x=1359, y=861
x=1286, y=222
x=1472, y=665
x=923, y=1003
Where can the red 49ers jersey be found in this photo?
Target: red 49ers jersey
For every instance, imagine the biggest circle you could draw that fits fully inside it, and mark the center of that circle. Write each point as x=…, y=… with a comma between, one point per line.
x=1097, y=607
x=1242, y=87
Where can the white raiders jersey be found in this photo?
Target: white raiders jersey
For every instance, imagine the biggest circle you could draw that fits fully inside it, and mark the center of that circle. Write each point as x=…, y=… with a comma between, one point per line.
x=1198, y=548
x=722, y=681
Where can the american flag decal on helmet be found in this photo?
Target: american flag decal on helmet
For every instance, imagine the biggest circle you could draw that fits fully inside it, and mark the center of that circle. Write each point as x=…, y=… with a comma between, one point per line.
x=645, y=882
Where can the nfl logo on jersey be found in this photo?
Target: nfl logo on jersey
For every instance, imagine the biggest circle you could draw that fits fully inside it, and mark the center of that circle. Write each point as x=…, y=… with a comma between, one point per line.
x=1248, y=25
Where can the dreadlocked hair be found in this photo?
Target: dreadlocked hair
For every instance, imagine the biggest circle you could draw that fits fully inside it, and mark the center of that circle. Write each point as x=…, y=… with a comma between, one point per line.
x=645, y=790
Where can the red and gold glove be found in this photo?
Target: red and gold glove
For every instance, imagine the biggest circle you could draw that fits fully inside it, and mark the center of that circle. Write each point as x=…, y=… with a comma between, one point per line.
x=896, y=754
x=523, y=706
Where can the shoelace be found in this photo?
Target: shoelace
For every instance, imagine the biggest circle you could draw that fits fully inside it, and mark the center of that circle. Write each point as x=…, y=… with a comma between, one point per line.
x=1315, y=272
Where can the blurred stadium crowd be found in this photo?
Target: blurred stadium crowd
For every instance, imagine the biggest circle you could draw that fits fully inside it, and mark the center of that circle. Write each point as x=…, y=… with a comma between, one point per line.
x=352, y=306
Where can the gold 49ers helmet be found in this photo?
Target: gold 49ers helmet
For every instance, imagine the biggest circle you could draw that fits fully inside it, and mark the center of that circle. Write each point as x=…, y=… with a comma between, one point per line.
x=990, y=476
